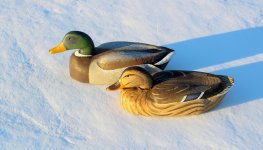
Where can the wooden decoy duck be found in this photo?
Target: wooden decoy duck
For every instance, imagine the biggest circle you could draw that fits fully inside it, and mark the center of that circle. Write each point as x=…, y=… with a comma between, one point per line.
x=105, y=63
x=170, y=93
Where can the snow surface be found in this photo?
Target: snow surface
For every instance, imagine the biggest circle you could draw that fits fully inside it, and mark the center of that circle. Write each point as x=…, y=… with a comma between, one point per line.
x=41, y=107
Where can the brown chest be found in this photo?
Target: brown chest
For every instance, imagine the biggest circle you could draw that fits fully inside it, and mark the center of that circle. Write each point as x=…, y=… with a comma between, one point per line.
x=79, y=68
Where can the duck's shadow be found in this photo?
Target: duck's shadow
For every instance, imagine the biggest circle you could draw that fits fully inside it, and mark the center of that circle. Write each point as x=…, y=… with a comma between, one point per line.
x=222, y=48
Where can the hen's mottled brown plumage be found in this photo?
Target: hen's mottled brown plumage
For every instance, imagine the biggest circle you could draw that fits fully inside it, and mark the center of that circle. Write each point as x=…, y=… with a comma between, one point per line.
x=171, y=93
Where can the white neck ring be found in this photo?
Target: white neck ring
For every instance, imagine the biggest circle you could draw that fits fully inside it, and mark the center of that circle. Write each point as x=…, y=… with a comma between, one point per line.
x=81, y=55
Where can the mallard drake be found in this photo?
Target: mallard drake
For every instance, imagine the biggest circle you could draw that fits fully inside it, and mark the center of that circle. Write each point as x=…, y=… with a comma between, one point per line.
x=170, y=93
x=105, y=63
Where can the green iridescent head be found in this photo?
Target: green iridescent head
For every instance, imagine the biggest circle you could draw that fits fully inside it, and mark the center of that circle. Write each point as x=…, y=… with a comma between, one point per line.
x=75, y=40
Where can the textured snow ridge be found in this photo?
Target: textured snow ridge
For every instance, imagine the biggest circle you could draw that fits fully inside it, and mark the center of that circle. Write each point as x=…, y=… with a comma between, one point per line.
x=41, y=107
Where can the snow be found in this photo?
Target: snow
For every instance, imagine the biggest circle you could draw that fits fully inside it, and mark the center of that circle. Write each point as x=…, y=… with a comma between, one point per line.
x=41, y=107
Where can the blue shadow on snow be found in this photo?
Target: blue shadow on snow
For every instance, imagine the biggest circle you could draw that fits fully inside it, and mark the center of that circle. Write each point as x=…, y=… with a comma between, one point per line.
x=217, y=49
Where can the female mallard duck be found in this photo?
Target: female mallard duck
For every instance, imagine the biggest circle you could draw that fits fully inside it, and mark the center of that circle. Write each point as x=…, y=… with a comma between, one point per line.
x=170, y=93
x=105, y=63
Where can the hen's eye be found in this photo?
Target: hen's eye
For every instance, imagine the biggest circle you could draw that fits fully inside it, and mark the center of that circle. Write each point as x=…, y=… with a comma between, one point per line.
x=128, y=75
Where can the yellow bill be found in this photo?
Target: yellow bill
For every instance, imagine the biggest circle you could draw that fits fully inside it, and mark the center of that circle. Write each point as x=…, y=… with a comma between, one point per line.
x=59, y=48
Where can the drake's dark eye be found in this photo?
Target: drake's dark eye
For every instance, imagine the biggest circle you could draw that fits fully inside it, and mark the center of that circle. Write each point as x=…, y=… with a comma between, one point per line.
x=69, y=38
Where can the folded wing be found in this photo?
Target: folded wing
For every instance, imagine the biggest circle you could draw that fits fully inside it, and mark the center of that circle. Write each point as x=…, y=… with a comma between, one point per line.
x=131, y=54
x=183, y=86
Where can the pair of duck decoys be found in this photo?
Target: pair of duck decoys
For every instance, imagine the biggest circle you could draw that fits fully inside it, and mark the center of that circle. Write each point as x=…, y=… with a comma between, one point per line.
x=136, y=69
